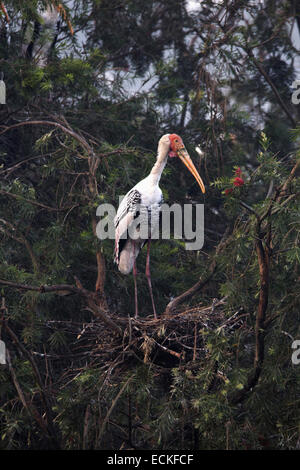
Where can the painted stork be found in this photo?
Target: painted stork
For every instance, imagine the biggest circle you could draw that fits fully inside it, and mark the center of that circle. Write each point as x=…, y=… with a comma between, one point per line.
x=148, y=195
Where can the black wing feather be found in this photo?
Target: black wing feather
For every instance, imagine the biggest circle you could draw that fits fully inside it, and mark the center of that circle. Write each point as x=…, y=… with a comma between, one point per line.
x=133, y=199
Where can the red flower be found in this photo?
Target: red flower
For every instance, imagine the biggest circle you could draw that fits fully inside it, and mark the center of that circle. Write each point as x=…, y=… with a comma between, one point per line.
x=228, y=191
x=238, y=172
x=238, y=181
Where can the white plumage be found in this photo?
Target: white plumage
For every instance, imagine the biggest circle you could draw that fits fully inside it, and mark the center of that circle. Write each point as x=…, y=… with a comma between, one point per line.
x=143, y=201
x=145, y=195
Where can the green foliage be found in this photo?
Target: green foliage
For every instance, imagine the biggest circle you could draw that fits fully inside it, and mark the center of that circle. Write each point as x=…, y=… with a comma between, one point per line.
x=133, y=71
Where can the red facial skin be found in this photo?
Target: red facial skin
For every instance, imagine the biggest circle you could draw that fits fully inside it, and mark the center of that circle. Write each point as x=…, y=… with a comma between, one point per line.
x=175, y=144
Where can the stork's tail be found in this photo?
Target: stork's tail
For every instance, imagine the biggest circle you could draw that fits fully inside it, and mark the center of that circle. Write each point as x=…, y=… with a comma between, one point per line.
x=127, y=256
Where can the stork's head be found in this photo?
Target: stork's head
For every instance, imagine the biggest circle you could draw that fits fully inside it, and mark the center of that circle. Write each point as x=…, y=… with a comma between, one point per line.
x=177, y=149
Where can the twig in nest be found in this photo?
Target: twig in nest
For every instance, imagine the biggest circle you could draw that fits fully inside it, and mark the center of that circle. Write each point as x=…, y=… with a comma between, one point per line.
x=170, y=351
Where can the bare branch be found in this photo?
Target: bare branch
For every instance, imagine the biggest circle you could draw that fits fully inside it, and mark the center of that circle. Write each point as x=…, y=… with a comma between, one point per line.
x=202, y=281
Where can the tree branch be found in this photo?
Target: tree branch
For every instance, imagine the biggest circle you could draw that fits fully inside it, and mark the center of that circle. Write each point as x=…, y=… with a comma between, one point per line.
x=47, y=406
x=263, y=256
x=273, y=87
x=35, y=203
x=20, y=239
x=202, y=281
x=43, y=289
x=91, y=299
x=65, y=129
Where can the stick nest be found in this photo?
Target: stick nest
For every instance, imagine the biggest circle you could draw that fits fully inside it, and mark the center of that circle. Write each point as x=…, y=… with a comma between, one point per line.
x=168, y=341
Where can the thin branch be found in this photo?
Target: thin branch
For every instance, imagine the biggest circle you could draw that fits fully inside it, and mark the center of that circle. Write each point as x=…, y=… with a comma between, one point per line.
x=250, y=209
x=263, y=256
x=202, y=281
x=113, y=406
x=43, y=288
x=100, y=313
x=66, y=130
x=91, y=299
x=20, y=239
x=273, y=87
x=35, y=203
x=47, y=406
x=28, y=406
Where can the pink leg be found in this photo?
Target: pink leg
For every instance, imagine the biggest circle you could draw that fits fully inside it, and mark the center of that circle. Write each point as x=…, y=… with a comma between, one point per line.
x=135, y=284
x=148, y=275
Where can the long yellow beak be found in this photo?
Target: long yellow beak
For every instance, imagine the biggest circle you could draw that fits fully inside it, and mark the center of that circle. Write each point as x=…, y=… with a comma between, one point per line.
x=184, y=156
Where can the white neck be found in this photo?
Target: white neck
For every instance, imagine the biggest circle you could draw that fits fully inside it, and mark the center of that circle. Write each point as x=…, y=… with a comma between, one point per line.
x=162, y=157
